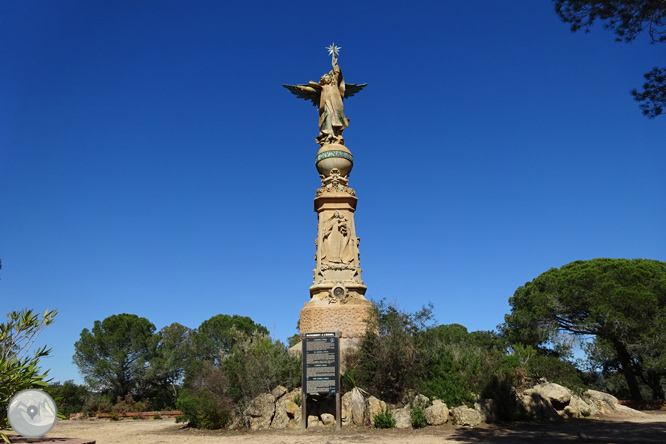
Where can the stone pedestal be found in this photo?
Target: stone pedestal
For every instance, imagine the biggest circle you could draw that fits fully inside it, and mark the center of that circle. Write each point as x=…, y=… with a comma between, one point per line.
x=337, y=294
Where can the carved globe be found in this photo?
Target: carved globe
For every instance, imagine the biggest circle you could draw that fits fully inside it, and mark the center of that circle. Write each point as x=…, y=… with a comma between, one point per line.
x=334, y=156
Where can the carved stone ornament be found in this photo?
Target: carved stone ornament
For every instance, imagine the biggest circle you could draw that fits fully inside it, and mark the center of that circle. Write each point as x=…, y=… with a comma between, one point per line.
x=335, y=183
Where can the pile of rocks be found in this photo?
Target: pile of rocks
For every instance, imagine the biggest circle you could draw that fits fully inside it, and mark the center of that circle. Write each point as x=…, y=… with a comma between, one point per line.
x=553, y=401
x=280, y=409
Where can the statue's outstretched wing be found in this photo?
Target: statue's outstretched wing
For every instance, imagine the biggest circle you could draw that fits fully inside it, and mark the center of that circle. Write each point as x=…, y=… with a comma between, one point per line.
x=305, y=92
x=353, y=88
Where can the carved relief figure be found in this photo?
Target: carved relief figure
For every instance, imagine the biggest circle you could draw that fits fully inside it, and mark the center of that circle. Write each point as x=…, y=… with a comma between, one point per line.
x=337, y=243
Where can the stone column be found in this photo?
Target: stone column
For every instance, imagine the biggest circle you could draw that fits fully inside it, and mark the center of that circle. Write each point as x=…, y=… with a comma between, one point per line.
x=337, y=293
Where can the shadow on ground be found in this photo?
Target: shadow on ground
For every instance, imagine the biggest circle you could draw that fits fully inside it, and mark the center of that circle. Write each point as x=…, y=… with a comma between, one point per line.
x=581, y=430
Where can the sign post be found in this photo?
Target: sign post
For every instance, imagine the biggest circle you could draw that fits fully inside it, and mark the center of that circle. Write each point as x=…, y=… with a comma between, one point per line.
x=321, y=370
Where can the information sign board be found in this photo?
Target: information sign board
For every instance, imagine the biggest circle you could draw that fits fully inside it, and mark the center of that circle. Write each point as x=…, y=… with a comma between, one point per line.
x=321, y=363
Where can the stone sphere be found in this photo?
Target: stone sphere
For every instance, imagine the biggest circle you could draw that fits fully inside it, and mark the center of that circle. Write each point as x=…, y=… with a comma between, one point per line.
x=334, y=156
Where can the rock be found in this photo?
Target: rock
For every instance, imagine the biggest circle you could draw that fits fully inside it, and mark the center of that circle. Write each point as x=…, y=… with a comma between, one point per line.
x=357, y=407
x=538, y=406
x=403, y=417
x=373, y=406
x=236, y=421
x=558, y=396
x=281, y=417
x=75, y=416
x=295, y=422
x=628, y=411
x=314, y=422
x=346, y=409
x=466, y=416
x=420, y=402
x=291, y=408
x=577, y=408
x=604, y=402
x=279, y=391
x=437, y=413
x=488, y=409
x=260, y=411
x=327, y=420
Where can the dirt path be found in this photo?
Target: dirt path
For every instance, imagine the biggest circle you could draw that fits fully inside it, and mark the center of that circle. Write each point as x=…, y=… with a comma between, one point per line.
x=647, y=429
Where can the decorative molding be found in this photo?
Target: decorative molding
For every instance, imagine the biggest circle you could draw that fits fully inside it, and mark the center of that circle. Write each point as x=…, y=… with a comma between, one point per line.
x=334, y=153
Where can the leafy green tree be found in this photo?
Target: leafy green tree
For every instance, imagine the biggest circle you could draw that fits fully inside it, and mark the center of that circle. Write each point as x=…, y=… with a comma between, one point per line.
x=113, y=357
x=18, y=370
x=69, y=397
x=167, y=368
x=214, y=339
x=619, y=302
x=627, y=18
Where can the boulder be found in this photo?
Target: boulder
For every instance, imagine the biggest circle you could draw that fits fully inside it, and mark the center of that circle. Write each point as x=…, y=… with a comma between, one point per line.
x=579, y=408
x=346, y=409
x=295, y=422
x=437, y=413
x=558, y=396
x=420, y=402
x=281, y=417
x=279, y=391
x=403, y=417
x=628, y=411
x=314, y=422
x=604, y=402
x=465, y=416
x=357, y=407
x=260, y=411
x=373, y=406
x=327, y=420
x=291, y=407
x=488, y=409
x=537, y=406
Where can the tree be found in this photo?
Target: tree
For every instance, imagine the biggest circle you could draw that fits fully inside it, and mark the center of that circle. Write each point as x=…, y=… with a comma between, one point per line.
x=18, y=370
x=113, y=357
x=619, y=302
x=167, y=367
x=214, y=339
x=627, y=18
x=70, y=397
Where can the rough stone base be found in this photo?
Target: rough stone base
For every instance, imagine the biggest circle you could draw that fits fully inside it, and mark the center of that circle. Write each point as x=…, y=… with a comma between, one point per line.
x=349, y=319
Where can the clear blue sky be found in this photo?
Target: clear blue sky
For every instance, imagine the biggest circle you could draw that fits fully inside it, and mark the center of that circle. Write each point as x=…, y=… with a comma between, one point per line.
x=151, y=162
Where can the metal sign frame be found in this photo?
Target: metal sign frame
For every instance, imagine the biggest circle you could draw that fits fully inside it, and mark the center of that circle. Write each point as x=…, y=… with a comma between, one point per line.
x=321, y=370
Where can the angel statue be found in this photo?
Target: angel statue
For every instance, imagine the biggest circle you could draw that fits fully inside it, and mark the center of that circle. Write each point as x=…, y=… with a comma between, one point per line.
x=327, y=95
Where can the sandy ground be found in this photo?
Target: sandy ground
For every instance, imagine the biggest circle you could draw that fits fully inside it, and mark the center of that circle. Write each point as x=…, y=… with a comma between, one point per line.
x=650, y=428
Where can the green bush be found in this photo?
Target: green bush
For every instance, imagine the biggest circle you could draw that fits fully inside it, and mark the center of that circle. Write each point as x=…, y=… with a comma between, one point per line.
x=257, y=364
x=18, y=371
x=201, y=411
x=69, y=397
x=157, y=416
x=384, y=420
x=418, y=418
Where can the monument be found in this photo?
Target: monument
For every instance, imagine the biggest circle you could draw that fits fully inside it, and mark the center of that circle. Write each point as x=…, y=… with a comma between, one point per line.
x=337, y=295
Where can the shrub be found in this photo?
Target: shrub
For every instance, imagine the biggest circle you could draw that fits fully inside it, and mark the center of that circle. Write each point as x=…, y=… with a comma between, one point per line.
x=201, y=411
x=18, y=371
x=69, y=397
x=157, y=416
x=393, y=355
x=418, y=418
x=384, y=420
x=97, y=404
x=257, y=364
